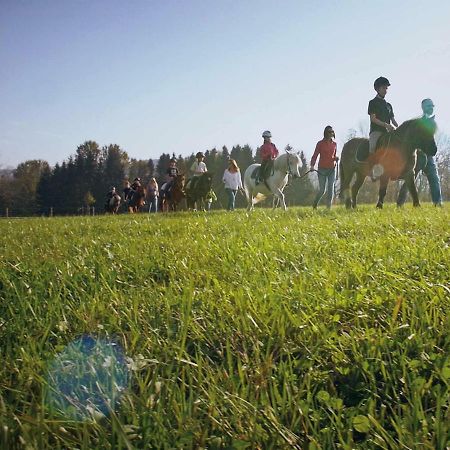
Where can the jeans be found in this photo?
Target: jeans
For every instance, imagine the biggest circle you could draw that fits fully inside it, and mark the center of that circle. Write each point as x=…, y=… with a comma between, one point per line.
x=153, y=204
x=231, y=193
x=326, y=180
x=430, y=171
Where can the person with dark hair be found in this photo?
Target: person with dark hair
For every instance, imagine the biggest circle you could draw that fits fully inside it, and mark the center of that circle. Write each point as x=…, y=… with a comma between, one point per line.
x=171, y=173
x=326, y=151
x=127, y=191
x=136, y=183
x=430, y=169
x=381, y=116
x=381, y=113
x=268, y=152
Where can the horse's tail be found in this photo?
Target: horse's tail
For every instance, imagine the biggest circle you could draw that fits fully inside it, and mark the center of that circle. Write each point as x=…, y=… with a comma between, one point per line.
x=258, y=198
x=341, y=178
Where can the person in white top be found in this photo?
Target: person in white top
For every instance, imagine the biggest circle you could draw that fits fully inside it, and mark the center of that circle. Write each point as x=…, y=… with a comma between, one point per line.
x=233, y=182
x=198, y=168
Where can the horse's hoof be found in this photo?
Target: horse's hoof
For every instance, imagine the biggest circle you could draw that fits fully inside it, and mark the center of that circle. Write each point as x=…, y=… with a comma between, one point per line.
x=380, y=205
x=416, y=205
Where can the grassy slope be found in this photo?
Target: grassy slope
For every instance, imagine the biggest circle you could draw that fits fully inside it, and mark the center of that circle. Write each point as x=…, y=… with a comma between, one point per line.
x=270, y=329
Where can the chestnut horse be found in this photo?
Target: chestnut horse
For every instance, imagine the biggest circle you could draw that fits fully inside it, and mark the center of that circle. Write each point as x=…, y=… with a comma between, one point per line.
x=137, y=200
x=171, y=198
x=394, y=159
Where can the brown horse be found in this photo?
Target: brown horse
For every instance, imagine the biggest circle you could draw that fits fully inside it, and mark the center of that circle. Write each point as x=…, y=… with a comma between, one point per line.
x=171, y=198
x=394, y=159
x=113, y=204
x=137, y=200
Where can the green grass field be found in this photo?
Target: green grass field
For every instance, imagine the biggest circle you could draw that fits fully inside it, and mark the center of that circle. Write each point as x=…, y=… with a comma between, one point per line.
x=309, y=330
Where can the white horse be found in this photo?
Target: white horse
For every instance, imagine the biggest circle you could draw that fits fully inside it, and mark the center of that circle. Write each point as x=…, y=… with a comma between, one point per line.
x=283, y=166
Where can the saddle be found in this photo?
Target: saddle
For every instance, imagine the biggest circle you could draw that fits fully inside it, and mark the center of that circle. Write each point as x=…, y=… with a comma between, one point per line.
x=255, y=175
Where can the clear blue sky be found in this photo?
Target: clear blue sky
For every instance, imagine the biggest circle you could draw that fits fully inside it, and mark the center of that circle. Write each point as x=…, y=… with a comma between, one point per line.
x=182, y=76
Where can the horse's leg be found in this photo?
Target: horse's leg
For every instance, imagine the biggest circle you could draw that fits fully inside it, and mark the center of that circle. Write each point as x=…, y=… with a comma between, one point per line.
x=280, y=197
x=346, y=178
x=384, y=180
x=360, y=177
x=409, y=181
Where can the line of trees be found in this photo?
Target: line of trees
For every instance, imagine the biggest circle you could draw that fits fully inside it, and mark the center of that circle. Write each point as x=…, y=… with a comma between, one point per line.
x=82, y=181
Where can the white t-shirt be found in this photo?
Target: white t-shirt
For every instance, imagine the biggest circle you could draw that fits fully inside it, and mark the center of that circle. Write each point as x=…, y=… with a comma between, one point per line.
x=198, y=168
x=232, y=180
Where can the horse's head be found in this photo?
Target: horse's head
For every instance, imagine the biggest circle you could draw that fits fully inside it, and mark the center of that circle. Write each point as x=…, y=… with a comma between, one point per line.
x=179, y=181
x=293, y=164
x=419, y=133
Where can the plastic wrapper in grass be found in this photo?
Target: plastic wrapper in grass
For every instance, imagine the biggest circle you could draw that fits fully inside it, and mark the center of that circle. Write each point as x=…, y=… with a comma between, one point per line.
x=86, y=379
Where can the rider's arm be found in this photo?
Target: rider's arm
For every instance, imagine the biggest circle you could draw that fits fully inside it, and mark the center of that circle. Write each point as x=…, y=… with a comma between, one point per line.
x=394, y=122
x=387, y=126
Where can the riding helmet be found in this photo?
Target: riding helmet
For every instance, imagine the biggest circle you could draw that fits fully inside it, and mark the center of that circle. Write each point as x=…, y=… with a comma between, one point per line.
x=199, y=155
x=267, y=134
x=381, y=81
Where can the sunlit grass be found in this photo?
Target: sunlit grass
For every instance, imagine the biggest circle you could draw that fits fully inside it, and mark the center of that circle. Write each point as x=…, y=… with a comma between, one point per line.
x=263, y=330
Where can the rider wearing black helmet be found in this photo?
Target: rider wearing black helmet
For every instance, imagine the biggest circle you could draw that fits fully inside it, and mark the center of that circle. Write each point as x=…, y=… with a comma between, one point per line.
x=381, y=116
x=380, y=112
x=198, y=168
x=171, y=173
x=136, y=183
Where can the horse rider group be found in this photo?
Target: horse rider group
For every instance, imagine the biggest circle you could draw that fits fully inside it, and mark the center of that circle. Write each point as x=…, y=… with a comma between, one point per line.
x=382, y=121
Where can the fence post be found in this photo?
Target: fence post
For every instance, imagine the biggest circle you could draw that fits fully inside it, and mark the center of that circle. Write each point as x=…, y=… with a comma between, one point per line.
x=93, y=210
x=7, y=212
x=51, y=211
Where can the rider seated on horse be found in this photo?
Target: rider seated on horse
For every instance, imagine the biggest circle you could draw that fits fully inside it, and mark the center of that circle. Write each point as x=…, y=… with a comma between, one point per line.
x=171, y=173
x=112, y=193
x=381, y=114
x=136, y=184
x=198, y=168
x=268, y=152
x=127, y=191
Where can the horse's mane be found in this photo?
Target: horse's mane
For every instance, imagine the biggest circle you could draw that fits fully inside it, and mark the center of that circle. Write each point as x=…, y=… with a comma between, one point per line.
x=406, y=125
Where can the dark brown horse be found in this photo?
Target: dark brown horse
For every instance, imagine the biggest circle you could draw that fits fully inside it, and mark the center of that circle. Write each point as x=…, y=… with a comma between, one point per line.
x=172, y=197
x=394, y=159
x=113, y=204
x=197, y=191
x=137, y=200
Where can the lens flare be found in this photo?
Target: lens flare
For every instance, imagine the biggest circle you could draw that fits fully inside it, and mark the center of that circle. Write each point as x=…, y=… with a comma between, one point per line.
x=86, y=379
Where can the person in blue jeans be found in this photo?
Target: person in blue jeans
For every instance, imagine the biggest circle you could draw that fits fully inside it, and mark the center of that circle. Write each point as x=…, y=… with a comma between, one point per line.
x=326, y=149
x=430, y=170
x=233, y=182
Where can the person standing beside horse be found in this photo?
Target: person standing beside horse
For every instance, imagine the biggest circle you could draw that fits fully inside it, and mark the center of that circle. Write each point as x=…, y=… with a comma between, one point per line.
x=381, y=115
x=429, y=169
x=152, y=195
x=268, y=152
x=233, y=182
x=326, y=151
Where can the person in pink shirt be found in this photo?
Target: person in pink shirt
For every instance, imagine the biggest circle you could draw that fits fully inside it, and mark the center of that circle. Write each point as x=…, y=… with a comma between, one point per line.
x=326, y=151
x=268, y=152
